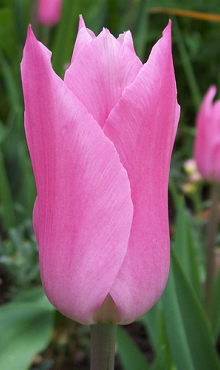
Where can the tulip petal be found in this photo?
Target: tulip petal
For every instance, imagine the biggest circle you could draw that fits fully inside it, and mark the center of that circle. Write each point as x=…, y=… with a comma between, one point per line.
x=215, y=159
x=142, y=127
x=100, y=72
x=84, y=36
x=83, y=212
x=49, y=11
x=127, y=40
x=207, y=141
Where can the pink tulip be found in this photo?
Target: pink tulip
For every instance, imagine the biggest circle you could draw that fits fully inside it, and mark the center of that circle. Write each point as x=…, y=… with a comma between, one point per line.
x=207, y=141
x=100, y=143
x=49, y=11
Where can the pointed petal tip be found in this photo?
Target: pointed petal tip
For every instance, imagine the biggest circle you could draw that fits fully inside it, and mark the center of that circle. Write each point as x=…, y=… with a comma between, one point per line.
x=81, y=22
x=167, y=30
x=127, y=40
x=105, y=31
x=212, y=90
x=31, y=38
x=208, y=98
x=30, y=33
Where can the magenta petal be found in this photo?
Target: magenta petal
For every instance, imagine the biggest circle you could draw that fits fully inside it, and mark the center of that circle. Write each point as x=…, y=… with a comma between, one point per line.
x=84, y=36
x=100, y=72
x=127, y=40
x=83, y=213
x=49, y=11
x=142, y=127
x=207, y=141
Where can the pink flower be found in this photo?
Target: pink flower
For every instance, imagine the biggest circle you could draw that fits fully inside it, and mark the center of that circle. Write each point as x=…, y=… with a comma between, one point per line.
x=100, y=143
x=49, y=11
x=207, y=141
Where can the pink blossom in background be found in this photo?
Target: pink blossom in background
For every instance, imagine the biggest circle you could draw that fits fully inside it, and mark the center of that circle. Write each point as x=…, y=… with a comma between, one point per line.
x=207, y=141
x=100, y=143
x=49, y=11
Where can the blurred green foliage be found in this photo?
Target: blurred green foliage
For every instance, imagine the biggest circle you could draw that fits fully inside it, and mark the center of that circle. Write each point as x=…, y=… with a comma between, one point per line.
x=177, y=326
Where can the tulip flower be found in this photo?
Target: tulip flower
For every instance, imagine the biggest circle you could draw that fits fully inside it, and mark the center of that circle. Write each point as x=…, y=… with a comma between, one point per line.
x=49, y=11
x=100, y=142
x=207, y=141
x=207, y=156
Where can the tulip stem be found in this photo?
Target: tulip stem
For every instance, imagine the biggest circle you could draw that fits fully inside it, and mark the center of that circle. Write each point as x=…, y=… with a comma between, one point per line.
x=103, y=346
x=210, y=257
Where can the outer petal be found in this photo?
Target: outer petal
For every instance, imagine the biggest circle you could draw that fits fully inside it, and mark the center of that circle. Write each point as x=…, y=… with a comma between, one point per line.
x=207, y=141
x=83, y=211
x=100, y=72
x=49, y=11
x=142, y=127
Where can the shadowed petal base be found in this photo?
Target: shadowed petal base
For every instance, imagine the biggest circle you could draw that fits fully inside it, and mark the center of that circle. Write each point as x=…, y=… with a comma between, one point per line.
x=107, y=312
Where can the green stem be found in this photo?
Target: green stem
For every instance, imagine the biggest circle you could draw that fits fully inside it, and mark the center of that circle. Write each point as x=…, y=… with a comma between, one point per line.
x=103, y=346
x=210, y=259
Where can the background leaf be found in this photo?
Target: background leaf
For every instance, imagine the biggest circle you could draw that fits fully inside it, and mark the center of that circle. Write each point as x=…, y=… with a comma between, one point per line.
x=26, y=326
x=129, y=354
x=190, y=336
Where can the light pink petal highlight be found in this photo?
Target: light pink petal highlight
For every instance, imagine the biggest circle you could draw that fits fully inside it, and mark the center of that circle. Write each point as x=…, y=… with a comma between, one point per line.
x=100, y=73
x=142, y=127
x=83, y=212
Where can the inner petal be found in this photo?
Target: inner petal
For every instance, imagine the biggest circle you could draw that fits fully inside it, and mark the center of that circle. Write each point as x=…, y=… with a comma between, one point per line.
x=100, y=72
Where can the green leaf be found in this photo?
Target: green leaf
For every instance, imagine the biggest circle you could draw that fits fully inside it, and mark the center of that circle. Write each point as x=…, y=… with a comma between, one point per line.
x=129, y=354
x=8, y=213
x=12, y=87
x=36, y=296
x=185, y=246
x=8, y=37
x=216, y=307
x=141, y=31
x=187, y=65
x=191, y=340
x=155, y=327
x=65, y=37
x=153, y=320
x=25, y=327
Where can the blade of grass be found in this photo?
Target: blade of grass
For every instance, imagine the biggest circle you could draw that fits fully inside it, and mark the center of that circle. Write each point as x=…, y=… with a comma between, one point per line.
x=12, y=89
x=216, y=306
x=175, y=326
x=186, y=63
x=65, y=37
x=21, y=10
x=185, y=246
x=153, y=320
x=189, y=332
x=141, y=28
x=8, y=213
x=131, y=357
